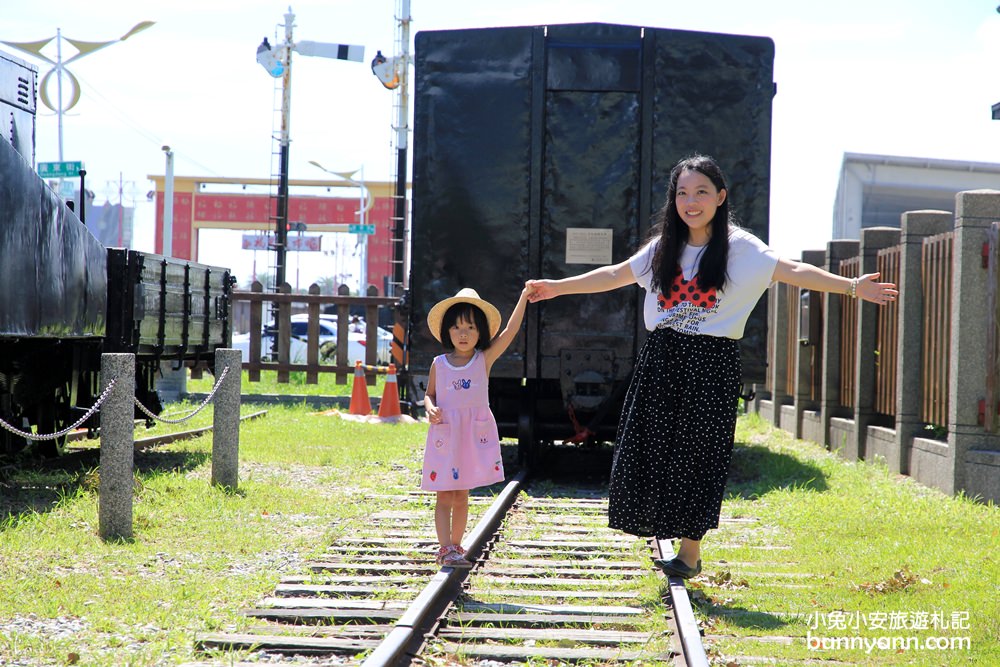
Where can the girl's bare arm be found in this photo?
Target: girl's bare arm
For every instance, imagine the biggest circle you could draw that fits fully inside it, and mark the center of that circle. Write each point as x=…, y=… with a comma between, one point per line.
x=506, y=337
x=430, y=399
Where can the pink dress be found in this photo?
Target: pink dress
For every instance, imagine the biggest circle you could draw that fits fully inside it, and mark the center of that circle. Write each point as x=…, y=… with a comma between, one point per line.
x=463, y=451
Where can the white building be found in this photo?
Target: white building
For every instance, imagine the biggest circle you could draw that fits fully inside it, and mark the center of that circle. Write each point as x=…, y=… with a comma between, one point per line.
x=874, y=190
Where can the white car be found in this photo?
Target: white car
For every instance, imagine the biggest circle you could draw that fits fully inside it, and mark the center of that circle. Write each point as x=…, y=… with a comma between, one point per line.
x=356, y=341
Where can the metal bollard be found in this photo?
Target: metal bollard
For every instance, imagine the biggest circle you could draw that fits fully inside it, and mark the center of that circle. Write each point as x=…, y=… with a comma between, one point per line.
x=117, y=447
x=226, y=420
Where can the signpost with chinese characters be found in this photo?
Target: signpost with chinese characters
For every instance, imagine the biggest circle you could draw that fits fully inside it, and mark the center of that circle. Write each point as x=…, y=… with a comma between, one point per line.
x=297, y=243
x=59, y=169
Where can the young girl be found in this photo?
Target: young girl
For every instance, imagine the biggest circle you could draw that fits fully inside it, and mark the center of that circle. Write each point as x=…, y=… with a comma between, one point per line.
x=463, y=447
x=702, y=275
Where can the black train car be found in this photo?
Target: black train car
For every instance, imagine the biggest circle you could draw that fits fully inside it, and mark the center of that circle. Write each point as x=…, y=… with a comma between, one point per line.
x=542, y=152
x=65, y=299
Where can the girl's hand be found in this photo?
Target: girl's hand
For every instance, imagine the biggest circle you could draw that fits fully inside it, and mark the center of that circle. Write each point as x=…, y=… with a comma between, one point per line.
x=434, y=415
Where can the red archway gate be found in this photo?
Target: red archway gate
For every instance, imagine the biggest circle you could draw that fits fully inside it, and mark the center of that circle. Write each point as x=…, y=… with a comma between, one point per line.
x=199, y=205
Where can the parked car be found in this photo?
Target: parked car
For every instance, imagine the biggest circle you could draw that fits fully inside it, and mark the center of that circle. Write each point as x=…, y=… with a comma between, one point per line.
x=356, y=341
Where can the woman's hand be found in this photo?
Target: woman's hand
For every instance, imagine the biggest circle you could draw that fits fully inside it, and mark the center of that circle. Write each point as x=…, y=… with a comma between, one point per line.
x=876, y=292
x=540, y=290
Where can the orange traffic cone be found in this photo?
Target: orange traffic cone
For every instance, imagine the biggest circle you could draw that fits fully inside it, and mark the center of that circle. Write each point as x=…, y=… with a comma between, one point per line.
x=389, y=407
x=360, y=405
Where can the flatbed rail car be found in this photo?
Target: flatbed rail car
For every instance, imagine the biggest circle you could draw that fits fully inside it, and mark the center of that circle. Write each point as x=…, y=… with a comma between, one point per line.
x=543, y=151
x=65, y=299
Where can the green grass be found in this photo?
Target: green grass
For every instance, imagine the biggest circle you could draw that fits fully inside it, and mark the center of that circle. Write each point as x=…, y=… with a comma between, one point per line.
x=869, y=541
x=268, y=384
x=199, y=554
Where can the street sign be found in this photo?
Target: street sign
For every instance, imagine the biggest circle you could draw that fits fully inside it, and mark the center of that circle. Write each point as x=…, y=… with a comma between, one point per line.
x=296, y=243
x=59, y=169
x=361, y=229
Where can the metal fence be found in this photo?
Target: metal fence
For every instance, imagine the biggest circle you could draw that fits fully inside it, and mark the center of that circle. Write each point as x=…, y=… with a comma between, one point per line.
x=936, y=275
x=887, y=335
x=849, y=268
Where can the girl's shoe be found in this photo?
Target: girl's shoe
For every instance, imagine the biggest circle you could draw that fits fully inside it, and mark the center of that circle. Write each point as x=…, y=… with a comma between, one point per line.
x=442, y=552
x=452, y=557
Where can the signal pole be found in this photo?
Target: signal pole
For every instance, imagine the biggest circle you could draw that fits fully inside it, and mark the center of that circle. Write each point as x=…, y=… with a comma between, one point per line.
x=278, y=63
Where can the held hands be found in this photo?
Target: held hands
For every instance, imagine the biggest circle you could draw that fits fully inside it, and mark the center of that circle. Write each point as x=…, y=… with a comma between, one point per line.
x=540, y=290
x=870, y=290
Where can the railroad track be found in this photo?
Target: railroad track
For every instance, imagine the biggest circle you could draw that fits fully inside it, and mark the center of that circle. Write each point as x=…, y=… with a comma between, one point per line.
x=551, y=583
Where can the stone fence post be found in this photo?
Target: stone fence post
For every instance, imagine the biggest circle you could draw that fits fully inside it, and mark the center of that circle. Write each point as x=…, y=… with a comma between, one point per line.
x=226, y=420
x=777, y=313
x=873, y=239
x=915, y=226
x=114, y=504
x=805, y=355
x=976, y=452
x=829, y=403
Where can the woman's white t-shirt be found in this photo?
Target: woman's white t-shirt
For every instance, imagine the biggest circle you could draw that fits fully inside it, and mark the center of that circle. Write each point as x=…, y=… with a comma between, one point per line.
x=684, y=307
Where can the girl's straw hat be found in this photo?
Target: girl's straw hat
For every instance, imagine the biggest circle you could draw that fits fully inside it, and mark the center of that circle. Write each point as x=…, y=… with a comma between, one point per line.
x=465, y=295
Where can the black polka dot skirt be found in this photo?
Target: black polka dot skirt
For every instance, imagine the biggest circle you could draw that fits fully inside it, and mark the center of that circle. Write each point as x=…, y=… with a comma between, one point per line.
x=675, y=437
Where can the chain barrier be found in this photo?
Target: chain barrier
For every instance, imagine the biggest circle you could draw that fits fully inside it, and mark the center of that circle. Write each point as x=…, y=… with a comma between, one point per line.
x=191, y=414
x=103, y=397
x=52, y=436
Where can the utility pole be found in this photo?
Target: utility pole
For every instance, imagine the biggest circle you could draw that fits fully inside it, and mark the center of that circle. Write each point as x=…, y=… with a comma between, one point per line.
x=393, y=73
x=281, y=215
x=402, y=143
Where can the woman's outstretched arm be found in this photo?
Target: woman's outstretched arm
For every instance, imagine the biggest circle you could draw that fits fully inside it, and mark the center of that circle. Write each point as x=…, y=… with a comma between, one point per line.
x=603, y=279
x=812, y=277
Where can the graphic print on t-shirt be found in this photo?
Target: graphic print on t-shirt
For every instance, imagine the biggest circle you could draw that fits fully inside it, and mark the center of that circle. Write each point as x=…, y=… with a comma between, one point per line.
x=687, y=291
x=686, y=304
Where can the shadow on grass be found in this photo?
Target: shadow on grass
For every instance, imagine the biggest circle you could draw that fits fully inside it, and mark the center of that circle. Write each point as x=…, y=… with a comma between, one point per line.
x=36, y=487
x=738, y=616
x=755, y=470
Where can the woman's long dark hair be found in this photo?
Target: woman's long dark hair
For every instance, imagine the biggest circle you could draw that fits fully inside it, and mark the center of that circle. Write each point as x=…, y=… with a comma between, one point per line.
x=673, y=233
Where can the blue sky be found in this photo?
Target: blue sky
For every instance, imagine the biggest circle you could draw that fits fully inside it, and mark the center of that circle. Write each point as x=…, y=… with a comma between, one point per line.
x=910, y=78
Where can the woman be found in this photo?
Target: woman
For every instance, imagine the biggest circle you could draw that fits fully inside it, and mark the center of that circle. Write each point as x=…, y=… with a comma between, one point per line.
x=702, y=275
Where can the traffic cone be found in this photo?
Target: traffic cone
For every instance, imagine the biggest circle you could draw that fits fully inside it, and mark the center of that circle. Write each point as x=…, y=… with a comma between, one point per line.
x=360, y=405
x=389, y=407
